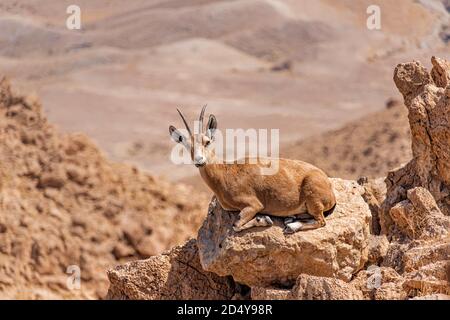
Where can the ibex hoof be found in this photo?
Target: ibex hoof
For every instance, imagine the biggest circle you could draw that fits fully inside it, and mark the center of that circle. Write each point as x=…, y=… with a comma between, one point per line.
x=237, y=229
x=293, y=227
x=264, y=221
x=289, y=220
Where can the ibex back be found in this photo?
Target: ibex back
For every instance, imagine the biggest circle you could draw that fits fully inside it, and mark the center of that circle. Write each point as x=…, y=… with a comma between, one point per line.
x=295, y=189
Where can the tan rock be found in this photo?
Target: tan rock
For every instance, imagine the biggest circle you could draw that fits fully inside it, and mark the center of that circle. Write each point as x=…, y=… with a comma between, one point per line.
x=261, y=293
x=380, y=283
x=309, y=287
x=436, y=296
x=321, y=288
x=52, y=180
x=176, y=274
x=419, y=217
x=427, y=98
x=426, y=253
x=440, y=72
x=265, y=257
x=374, y=194
x=424, y=265
x=378, y=248
x=427, y=268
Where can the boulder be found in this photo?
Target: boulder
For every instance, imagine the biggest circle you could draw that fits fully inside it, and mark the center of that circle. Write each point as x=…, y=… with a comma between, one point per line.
x=380, y=283
x=378, y=248
x=174, y=275
x=419, y=217
x=265, y=256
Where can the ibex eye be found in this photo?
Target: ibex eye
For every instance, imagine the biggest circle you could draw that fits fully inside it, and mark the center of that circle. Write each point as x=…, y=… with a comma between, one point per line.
x=208, y=143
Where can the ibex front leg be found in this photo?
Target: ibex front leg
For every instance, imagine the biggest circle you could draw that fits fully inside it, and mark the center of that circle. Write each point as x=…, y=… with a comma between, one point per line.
x=246, y=214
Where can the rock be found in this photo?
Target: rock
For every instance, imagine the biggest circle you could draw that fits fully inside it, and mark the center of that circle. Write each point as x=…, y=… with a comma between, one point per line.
x=427, y=98
x=395, y=254
x=378, y=248
x=440, y=72
x=261, y=293
x=174, y=275
x=425, y=254
x=54, y=179
x=427, y=267
x=431, y=278
x=410, y=78
x=264, y=257
x=309, y=287
x=122, y=251
x=424, y=266
x=374, y=194
x=76, y=174
x=321, y=288
x=435, y=296
x=380, y=283
x=419, y=217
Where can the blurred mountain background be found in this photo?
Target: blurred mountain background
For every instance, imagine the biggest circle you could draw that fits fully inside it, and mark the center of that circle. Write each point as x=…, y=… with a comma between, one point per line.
x=305, y=67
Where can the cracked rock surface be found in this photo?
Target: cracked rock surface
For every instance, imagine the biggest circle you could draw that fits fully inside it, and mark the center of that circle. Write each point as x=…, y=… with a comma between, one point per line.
x=176, y=274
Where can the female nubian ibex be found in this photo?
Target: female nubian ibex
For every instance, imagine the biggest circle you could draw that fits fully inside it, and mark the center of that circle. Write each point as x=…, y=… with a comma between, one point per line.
x=295, y=189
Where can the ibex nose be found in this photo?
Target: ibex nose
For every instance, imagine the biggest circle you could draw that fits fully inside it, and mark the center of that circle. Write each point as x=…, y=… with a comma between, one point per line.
x=199, y=161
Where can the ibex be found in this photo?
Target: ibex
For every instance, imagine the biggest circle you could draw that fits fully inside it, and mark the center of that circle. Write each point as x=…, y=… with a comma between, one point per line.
x=298, y=188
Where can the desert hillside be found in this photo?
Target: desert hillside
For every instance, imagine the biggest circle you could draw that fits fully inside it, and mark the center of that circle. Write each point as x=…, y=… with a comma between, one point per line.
x=369, y=146
x=62, y=203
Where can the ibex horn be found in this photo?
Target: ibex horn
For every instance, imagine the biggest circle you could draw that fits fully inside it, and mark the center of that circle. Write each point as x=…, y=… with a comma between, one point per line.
x=185, y=123
x=202, y=114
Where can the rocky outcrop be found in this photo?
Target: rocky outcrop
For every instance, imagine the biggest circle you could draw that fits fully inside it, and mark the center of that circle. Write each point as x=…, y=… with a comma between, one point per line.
x=409, y=270
x=415, y=213
x=427, y=97
x=379, y=243
x=176, y=274
x=267, y=257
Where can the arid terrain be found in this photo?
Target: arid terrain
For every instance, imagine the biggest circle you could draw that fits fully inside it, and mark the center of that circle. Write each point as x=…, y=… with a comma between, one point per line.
x=86, y=176
x=63, y=204
x=304, y=67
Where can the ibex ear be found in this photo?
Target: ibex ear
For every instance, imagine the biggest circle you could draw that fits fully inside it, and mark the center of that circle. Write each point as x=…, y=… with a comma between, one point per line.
x=211, y=127
x=177, y=136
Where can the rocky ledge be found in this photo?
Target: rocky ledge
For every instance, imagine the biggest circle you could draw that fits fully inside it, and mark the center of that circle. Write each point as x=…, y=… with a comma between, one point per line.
x=265, y=256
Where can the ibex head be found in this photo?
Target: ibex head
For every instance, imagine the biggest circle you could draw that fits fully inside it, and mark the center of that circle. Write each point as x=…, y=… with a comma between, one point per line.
x=198, y=143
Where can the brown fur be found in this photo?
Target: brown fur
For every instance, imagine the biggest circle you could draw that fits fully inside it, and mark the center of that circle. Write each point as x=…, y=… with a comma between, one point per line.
x=298, y=187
